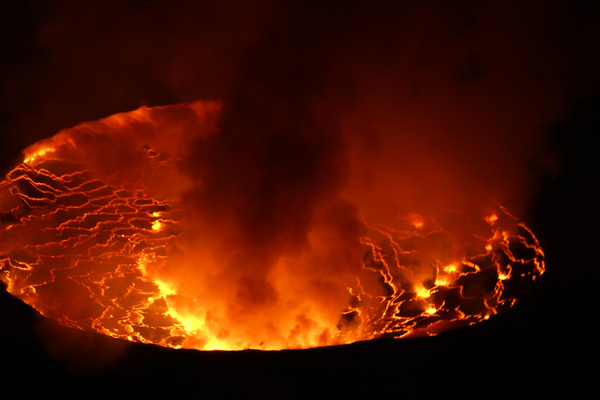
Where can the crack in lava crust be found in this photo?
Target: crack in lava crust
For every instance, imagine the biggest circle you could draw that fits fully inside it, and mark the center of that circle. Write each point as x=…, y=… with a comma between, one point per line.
x=82, y=244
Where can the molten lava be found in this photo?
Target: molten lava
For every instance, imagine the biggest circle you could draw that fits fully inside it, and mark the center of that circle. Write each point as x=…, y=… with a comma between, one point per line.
x=95, y=234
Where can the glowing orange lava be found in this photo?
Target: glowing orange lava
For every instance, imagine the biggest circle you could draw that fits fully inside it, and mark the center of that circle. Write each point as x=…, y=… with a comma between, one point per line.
x=95, y=241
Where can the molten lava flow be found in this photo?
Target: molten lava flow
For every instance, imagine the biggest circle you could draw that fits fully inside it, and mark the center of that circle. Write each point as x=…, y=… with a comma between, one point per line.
x=94, y=235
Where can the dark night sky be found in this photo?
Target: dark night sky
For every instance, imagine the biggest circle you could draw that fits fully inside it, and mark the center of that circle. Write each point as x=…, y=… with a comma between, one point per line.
x=528, y=73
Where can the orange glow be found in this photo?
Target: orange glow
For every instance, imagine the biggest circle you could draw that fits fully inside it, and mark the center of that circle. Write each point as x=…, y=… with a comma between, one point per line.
x=114, y=244
x=37, y=154
x=431, y=310
x=491, y=219
x=415, y=220
x=422, y=292
x=441, y=282
x=450, y=268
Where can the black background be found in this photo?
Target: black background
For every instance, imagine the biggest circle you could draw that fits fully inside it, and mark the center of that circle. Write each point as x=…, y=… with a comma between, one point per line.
x=545, y=346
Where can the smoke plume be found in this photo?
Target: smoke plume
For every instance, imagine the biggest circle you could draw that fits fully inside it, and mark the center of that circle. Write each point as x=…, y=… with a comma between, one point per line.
x=338, y=114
